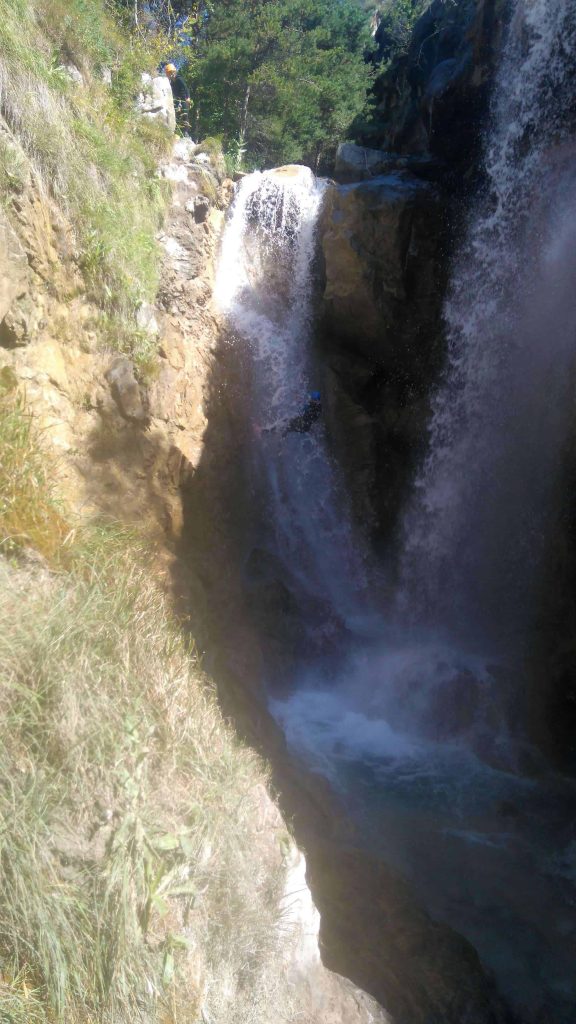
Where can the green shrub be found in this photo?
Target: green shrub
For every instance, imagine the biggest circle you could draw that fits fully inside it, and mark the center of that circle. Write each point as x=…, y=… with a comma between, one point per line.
x=212, y=146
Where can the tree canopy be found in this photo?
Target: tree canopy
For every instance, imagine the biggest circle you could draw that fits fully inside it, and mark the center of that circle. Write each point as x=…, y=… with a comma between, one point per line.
x=279, y=80
x=282, y=78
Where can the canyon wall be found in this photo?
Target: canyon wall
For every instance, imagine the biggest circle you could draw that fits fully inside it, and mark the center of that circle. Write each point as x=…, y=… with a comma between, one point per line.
x=391, y=221
x=130, y=441
x=393, y=217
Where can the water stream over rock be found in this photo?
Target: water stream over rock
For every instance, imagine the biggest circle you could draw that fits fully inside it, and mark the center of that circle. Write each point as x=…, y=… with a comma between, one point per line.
x=412, y=704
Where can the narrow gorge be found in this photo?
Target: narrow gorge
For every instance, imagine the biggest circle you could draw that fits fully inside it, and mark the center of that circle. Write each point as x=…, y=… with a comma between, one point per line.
x=392, y=552
x=290, y=711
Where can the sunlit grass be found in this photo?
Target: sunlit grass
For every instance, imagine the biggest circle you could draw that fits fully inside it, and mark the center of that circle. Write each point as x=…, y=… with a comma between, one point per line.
x=136, y=883
x=85, y=146
x=29, y=514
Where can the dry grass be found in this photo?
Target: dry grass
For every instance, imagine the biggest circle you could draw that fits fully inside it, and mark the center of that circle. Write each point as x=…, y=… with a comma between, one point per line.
x=138, y=882
x=29, y=515
x=85, y=146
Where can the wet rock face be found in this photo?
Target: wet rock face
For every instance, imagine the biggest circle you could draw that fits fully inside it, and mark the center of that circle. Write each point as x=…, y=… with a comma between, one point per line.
x=360, y=163
x=387, y=235
x=420, y=971
x=382, y=245
x=434, y=98
x=379, y=240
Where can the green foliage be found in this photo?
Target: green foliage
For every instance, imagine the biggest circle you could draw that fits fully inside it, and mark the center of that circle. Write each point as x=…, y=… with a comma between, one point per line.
x=393, y=22
x=234, y=156
x=211, y=146
x=281, y=78
x=84, y=145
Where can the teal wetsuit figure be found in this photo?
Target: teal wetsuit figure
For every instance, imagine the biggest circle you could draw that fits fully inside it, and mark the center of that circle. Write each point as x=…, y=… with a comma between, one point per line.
x=303, y=423
x=308, y=417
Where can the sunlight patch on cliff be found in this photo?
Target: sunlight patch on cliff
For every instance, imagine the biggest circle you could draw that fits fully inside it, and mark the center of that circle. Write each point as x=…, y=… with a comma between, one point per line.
x=80, y=140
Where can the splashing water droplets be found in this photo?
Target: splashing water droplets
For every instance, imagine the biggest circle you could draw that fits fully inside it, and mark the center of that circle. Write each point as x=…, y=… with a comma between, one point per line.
x=265, y=288
x=476, y=528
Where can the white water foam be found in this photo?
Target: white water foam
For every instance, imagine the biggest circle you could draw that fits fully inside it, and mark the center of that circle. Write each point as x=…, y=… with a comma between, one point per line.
x=264, y=287
x=477, y=526
x=405, y=721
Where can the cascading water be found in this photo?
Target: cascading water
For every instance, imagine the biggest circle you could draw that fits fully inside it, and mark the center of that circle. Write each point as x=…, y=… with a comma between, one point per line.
x=475, y=532
x=264, y=286
x=408, y=718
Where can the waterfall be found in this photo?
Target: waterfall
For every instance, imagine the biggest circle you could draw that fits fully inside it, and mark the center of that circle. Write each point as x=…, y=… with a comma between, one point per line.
x=264, y=288
x=475, y=532
x=415, y=719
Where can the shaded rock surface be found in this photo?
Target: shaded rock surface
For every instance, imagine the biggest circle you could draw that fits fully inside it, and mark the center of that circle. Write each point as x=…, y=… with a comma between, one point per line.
x=125, y=389
x=380, y=243
x=358, y=896
x=387, y=236
x=434, y=98
x=380, y=323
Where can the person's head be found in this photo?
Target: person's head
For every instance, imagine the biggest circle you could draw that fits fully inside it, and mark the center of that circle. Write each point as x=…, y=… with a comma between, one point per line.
x=171, y=70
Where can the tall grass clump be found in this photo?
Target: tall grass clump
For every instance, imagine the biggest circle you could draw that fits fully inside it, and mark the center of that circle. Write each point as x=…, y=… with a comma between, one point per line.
x=136, y=882
x=29, y=514
x=85, y=145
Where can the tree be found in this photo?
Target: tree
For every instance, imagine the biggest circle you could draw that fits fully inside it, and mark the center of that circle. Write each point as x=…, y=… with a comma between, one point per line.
x=281, y=78
x=174, y=17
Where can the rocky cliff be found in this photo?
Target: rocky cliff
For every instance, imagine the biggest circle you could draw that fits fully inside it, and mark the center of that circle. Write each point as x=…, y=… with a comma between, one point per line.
x=125, y=438
x=433, y=99
x=390, y=224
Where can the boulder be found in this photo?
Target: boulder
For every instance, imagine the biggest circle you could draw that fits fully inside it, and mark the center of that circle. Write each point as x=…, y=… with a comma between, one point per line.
x=126, y=390
x=14, y=273
x=380, y=322
x=380, y=242
x=156, y=102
